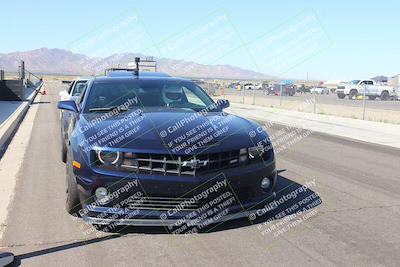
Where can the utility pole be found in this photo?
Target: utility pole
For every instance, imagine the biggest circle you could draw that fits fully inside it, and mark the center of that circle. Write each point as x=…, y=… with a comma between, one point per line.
x=22, y=70
x=365, y=89
x=254, y=93
x=242, y=88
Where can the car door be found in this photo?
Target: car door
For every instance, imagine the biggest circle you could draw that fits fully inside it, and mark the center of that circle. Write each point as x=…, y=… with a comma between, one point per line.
x=363, y=87
x=75, y=116
x=373, y=89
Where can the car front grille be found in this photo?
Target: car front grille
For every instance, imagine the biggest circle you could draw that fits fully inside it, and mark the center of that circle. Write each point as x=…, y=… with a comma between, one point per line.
x=187, y=203
x=163, y=204
x=188, y=165
x=181, y=165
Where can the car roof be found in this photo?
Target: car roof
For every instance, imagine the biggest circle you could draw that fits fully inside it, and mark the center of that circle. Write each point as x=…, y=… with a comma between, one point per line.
x=118, y=73
x=128, y=76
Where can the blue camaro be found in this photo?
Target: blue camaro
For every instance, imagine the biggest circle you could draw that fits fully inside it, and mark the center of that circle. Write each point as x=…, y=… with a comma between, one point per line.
x=150, y=149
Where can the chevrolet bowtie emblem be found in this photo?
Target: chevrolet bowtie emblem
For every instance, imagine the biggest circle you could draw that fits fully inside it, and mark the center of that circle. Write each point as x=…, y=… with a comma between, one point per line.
x=195, y=163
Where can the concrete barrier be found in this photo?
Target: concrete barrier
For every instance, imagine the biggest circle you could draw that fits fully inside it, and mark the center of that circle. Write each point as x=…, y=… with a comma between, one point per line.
x=6, y=258
x=12, y=90
x=8, y=128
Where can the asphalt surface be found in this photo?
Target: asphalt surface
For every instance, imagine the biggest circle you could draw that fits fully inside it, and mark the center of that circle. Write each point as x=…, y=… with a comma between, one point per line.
x=330, y=99
x=356, y=223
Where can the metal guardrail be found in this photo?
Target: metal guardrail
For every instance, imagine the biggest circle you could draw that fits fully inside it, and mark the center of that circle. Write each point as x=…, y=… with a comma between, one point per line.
x=31, y=75
x=37, y=90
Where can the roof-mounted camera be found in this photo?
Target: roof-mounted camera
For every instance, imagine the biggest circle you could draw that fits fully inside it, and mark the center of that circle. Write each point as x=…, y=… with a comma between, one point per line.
x=136, y=70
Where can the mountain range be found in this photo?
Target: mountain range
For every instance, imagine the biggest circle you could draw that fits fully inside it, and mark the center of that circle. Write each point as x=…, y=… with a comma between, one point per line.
x=60, y=61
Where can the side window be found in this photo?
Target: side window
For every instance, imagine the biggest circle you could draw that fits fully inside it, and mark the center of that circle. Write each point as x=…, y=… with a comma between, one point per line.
x=364, y=82
x=192, y=98
x=81, y=97
x=79, y=88
x=370, y=83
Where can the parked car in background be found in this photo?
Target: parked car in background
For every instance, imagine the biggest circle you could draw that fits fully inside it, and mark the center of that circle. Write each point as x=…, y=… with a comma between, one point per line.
x=73, y=92
x=248, y=86
x=370, y=87
x=303, y=89
x=319, y=90
x=233, y=85
x=75, y=88
x=265, y=85
x=396, y=95
x=275, y=89
x=258, y=86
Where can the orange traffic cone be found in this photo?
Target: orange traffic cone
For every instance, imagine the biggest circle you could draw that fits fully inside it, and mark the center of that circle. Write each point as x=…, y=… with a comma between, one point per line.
x=44, y=90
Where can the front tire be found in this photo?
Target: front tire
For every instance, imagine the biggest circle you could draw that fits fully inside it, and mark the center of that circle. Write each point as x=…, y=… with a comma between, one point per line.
x=353, y=94
x=63, y=145
x=63, y=152
x=341, y=96
x=384, y=95
x=73, y=204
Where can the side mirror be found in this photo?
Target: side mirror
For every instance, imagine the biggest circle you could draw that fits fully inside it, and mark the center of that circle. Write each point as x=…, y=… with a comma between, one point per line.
x=69, y=105
x=223, y=103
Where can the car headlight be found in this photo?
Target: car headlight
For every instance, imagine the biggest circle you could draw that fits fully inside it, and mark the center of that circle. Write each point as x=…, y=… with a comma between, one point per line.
x=256, y=152
x=109, y=157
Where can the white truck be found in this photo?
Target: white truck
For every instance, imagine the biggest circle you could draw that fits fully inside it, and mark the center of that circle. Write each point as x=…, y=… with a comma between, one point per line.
x=357, y=87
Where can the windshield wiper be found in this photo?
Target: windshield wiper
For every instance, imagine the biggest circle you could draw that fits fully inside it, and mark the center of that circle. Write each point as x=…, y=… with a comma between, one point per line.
x=105, y=109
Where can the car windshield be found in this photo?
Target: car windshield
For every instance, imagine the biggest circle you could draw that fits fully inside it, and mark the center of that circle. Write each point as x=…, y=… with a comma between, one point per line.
x=147, y=93
x=354, y=81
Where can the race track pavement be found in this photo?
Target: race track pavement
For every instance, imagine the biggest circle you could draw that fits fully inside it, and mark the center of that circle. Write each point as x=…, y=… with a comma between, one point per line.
x=355, y=224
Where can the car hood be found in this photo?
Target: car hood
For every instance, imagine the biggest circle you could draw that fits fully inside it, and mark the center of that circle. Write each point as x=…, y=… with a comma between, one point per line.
x=171, y=132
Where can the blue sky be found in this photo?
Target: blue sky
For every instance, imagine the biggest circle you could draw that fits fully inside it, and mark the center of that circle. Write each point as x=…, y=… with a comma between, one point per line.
x=356, y=38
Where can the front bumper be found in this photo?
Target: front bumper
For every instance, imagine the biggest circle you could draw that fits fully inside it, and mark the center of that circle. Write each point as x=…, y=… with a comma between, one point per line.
x=167, y=222
x=240, y=180
x=341, y=92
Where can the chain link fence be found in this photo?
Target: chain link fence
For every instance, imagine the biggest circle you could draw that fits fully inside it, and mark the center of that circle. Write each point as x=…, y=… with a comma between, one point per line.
x=305, y=96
